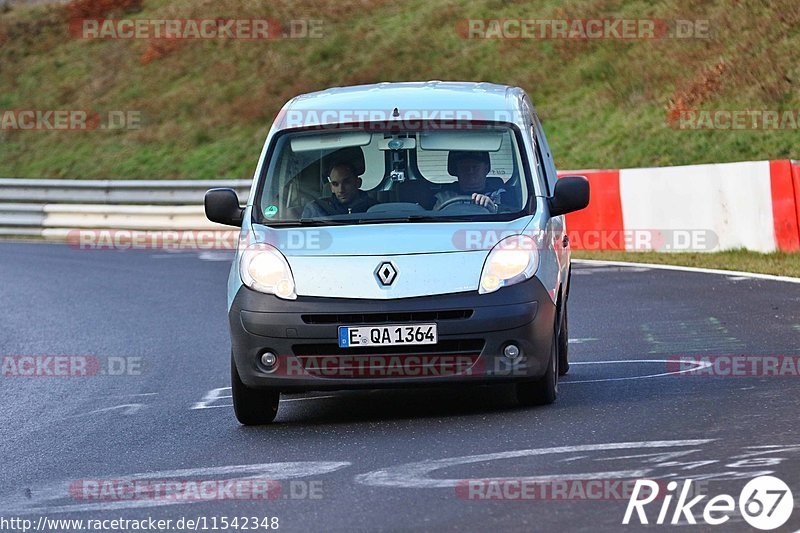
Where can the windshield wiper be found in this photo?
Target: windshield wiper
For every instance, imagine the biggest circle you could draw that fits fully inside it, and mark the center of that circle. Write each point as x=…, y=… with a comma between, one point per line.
x=307, y=222
x=322, y=221
x=312, y=222
x=417, y=218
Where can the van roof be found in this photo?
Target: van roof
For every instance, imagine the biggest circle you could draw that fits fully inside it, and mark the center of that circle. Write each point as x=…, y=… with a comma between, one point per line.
x=467, y=100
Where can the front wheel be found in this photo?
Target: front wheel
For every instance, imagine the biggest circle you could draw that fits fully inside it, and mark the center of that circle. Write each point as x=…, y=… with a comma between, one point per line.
x=544, y=390
x=253, y=407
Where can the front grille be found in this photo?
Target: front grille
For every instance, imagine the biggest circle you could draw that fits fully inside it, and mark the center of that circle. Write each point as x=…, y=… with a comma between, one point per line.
x=387, y=318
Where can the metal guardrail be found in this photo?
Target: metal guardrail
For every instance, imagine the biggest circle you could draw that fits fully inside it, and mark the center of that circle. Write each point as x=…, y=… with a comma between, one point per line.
x=21, y=215
x=167, y=192
x=49, y=207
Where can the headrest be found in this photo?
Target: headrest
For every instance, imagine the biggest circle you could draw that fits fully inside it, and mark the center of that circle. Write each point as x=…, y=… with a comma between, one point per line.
x=455, y=156
x=352, y=155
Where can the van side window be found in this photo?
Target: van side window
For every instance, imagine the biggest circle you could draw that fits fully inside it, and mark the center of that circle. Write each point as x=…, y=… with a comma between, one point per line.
x=537, y=156
x=543, y=152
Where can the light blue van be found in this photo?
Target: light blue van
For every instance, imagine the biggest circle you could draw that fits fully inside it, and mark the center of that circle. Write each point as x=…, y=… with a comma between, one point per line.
x=398, y=235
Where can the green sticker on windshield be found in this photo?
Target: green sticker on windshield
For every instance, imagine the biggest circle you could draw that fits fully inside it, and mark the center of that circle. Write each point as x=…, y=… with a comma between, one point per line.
x=271, y=211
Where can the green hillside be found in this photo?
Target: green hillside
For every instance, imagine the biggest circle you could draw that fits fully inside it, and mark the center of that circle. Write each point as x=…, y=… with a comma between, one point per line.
x=206, y=106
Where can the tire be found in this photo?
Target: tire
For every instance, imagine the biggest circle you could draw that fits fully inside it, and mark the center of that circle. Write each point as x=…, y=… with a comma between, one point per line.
x=253, y=407
x=544, y=390
x=563, y=343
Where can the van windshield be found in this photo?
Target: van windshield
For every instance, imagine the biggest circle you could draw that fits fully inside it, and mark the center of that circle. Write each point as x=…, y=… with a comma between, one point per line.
x=326, y=177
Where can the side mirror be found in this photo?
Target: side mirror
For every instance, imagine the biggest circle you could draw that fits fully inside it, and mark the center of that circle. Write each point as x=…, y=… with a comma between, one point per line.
x=222, y=206
x=571, y=194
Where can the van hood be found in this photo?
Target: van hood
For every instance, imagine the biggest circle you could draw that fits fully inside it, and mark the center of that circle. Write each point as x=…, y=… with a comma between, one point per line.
x=388, y=239
x=424, y=258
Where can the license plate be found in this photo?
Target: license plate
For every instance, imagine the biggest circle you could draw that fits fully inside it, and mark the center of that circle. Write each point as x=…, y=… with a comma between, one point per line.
x=399, y=334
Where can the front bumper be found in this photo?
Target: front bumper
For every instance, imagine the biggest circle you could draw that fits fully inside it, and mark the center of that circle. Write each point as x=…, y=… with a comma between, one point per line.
x=473, y=329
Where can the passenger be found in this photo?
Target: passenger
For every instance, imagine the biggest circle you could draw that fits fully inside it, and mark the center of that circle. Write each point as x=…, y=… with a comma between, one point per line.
x=471, y=169
x=346, y=194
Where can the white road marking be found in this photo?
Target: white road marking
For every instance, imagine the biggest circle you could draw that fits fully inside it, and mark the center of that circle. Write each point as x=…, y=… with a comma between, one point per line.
x=658, y=457
x=416, y=475
x=127, y=409
x=570, y=459
x=210, y=397
x=216, y=394
x=589, y=271
x=581, y=341
x=751, y=275
x=767, y=449
x=700, y=365
x=129, y=395
x=46, y=499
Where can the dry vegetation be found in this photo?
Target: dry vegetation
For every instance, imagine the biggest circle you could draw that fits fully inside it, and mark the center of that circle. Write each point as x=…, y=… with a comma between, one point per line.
x=206, y=105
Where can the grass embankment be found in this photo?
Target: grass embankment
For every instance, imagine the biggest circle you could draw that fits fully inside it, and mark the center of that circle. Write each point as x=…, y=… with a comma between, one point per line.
x=779, y=264
x=206, y=105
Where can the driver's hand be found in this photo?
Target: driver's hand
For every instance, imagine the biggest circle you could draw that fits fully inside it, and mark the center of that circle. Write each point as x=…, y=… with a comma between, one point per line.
x=483, y=200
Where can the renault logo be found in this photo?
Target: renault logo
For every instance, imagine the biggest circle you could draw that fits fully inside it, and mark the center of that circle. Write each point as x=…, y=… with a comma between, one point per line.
x=386, y=273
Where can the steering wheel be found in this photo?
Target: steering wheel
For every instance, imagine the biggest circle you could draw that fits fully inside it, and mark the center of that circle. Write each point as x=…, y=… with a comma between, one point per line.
x=466, y=199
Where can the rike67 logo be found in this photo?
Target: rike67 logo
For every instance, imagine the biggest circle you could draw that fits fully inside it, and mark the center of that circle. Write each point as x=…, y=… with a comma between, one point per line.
x=765, y=503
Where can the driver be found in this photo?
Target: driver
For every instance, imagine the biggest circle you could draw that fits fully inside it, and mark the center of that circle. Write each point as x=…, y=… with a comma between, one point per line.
x=471, y=169
x=346, y=194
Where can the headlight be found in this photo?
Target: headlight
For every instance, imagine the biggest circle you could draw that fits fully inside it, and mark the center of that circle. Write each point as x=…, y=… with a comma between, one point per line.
x=263, y=268
x=512, y=260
